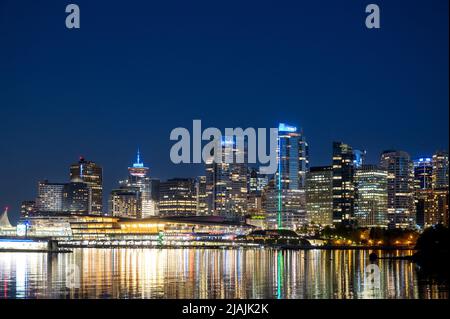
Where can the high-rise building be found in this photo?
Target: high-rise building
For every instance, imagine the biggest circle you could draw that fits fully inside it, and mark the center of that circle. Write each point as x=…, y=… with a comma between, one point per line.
x=138, y=179
x=125, y=203
x=50, y=197
x=343, y=184
x=440, y=170
x=440, y=184
x=178, y=197
x=202, y=199
x=431, y=190
x=401, y=206
x=371, y=196
x=319, y=195
x=284, y=200
x=423, y=173
x=76, y=197
x=226, y=183
x=92, y=174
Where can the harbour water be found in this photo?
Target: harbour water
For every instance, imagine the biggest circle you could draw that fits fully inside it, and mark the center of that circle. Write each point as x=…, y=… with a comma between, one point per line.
x=212, y=273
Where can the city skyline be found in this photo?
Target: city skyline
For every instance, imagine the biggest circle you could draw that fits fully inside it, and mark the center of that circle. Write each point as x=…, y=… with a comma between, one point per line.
x=138, y=172
x=319, y=69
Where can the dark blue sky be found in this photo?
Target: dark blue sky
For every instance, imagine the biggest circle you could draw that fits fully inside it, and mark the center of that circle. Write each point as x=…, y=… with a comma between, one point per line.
x=137, y=69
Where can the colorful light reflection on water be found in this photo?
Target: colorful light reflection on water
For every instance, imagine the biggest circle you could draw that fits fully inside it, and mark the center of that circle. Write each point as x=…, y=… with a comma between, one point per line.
x=211, y=273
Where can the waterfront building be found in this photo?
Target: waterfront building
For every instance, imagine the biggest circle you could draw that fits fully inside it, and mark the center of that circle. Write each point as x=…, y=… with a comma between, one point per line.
x=284, y=198
x=401, y=206
x=108, y=231
x=50, y=197
x=226, y=183
x=6, y=229
x=92, y=174
x=125, y=202
x=343, y=184
x=371, y=196
x=28, y=208
x=138, y=179
x=319, y=195
x=76, y=197
x=178, y=197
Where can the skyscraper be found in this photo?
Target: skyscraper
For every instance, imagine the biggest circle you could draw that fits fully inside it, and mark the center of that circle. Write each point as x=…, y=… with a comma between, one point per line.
x=343, y=186
x=440, y=170
x=319, y=195
x=226, y=183
x=178, y=197
x=371, y=196
x=50, y=197
x=285, y=199
x=401, y=207
x=125, y=202
x=202, y=202
x=423, y=173
x=92, y=174
x=138, y=180
x=76, y=197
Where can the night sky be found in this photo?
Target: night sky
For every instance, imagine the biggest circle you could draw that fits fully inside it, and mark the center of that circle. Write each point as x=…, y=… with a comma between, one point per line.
x=137, y=69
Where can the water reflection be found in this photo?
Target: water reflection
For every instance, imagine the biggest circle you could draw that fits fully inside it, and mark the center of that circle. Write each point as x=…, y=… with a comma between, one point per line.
x=211, y=273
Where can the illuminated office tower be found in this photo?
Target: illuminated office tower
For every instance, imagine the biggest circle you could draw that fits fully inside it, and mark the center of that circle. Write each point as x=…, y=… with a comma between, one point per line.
x=371, y=196
x=319, y=195
x=50, y=197
x=440, y=170
x=343, y=185
x=201, y=197
x=76, y=197
x=125, y=203
x=226, y=183
x=423, y=173
x=285, y=199
x=138, y=179
x=423, y=193
x=401, y=206
x=440, y=190
x=178, y=197
x=92, y=174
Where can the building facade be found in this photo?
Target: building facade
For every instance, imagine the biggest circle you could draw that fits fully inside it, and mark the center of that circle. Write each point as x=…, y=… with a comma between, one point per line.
x=226, y=181
x=178, y=197
x=401, y=206
x=343, y=184
x=371, y=196
x=284, y=200
x=125, y=203
x=319, y=195
x=77, y=197
x=50, y=197
x=91, y=174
